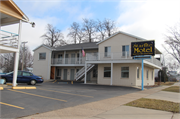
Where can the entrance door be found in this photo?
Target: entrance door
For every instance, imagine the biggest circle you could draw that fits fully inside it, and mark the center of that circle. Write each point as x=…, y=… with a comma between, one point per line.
x=65, y=74
x=52, y=72
x=72, y=58
x=72, y=74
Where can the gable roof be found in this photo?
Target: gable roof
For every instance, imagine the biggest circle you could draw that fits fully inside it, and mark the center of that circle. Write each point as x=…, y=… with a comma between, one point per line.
x=92, y=45
x=48, y=47
x=120, y=32
x=11, y=13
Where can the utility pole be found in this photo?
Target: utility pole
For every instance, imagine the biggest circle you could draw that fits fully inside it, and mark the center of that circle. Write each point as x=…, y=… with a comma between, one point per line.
x=23, y=54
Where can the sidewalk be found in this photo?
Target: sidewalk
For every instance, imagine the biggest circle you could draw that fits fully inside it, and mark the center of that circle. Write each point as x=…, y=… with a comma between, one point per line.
x=112, y=108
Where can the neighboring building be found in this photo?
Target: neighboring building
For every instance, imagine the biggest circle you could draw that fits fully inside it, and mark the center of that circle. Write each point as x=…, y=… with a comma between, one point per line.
x=11, y=42
x=107, y=62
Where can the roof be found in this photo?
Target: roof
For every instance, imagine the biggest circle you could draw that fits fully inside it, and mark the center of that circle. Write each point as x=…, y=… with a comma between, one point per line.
x=120, y=32
x=48, y=47
x=92, y=45
x=11, y=13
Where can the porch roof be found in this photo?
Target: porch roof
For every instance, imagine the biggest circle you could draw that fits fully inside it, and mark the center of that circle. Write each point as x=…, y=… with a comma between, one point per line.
x=92, y=45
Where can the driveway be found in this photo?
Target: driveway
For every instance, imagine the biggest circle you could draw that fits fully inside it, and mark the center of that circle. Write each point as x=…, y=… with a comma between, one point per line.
x=52, y=96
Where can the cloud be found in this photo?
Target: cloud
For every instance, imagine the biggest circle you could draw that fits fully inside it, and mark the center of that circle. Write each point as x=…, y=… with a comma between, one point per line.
x=149, y=19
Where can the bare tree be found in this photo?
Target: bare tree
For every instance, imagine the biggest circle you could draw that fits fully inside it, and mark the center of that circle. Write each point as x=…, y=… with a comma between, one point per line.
x=172, y=42
x=53, y=37
x=100, y=27
x=110, y=26
x=89, y=27
x=76, y=32
x=7, y=60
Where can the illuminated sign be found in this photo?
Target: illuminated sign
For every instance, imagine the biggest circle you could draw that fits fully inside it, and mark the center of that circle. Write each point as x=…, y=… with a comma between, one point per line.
x=143, y=48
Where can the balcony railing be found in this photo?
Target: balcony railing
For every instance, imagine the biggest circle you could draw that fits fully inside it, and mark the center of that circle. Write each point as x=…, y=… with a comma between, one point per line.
x=116, y=56
x=8, y=39
x=107, y=56
x=68, y=60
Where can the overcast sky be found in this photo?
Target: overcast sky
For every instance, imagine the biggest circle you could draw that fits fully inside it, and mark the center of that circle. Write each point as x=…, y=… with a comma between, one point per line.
x=148, y=19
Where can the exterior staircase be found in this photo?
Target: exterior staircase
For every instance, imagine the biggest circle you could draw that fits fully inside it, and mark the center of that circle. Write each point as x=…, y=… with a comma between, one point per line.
x=81, y=73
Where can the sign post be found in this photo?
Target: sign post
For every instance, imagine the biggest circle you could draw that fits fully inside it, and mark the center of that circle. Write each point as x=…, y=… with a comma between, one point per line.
x=140, y=51
x=142, y=68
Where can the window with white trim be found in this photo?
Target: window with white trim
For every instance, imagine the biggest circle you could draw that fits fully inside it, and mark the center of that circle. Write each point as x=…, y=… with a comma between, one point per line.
x=42, y=56
x=125, y=50
x=124, y=72
x=107, y=71
x=107, y=51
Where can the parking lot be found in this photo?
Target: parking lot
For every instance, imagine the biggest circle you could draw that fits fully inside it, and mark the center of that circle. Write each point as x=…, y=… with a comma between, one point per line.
x=54, y=95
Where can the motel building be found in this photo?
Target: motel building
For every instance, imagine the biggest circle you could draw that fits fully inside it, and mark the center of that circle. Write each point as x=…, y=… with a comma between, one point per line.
x=108, y=62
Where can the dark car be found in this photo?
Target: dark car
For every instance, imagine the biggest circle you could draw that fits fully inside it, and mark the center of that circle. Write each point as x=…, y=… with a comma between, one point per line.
x=23, y=77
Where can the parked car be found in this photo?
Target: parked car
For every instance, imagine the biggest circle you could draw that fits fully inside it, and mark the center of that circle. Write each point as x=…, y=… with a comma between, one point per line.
x=23, y=77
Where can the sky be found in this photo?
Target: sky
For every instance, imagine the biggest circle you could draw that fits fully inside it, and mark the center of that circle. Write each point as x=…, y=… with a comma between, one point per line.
x=148, y=19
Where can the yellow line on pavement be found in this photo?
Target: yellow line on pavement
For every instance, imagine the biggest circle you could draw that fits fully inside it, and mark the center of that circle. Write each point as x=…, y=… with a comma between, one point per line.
x=66, y=93
x=11, y=105
x=38, y=95
x=54, y=81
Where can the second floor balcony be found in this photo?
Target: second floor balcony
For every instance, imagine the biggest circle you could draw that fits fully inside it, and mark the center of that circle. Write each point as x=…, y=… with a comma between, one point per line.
x=116, y=57
x=68, y=60
x=99, y=57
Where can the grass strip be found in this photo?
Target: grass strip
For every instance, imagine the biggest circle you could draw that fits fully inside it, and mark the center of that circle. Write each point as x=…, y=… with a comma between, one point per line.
x=172, y=89
x=166, y=83
x=155, y=104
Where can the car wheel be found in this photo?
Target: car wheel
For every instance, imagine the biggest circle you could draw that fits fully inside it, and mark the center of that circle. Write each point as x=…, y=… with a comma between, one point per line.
x=33, y=82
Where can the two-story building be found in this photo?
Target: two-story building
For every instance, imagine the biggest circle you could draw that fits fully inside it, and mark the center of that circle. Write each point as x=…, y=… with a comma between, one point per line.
x=107, y=62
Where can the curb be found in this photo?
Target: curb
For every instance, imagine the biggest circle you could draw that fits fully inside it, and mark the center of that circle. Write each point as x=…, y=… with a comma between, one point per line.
x=23, y=87
x=1, y=88
x=10, y=84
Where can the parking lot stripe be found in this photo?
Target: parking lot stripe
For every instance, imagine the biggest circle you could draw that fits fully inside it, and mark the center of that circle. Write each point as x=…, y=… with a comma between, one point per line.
x=67, y=93
x=38, y=95
x=54, y=81
x=11, y=105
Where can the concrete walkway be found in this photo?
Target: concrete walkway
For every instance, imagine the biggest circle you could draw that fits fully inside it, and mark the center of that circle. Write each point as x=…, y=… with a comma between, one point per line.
x=112, y=108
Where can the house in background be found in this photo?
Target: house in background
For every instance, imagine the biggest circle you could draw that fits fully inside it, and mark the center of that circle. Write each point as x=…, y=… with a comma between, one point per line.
x=107, y=62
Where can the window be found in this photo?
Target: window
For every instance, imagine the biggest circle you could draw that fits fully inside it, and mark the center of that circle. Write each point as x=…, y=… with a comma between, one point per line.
x=124, y=72
x=137, y=72
x=147, y=74
x=125, y=49
x=26, y=74
x=42, y=56
x=60, y=57
x=107, y=52
x=107, y=71
x=58, y=72
x=19, y=73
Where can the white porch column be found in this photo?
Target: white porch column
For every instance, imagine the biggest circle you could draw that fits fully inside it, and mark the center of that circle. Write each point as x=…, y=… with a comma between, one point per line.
x=16, y=61
x=111, y=73
x=64, y=57
x=85, y=73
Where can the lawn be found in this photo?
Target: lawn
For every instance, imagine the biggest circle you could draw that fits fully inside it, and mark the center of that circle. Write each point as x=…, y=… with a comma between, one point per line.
x=155, y=104
x=172, y=89
x=166, y=83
